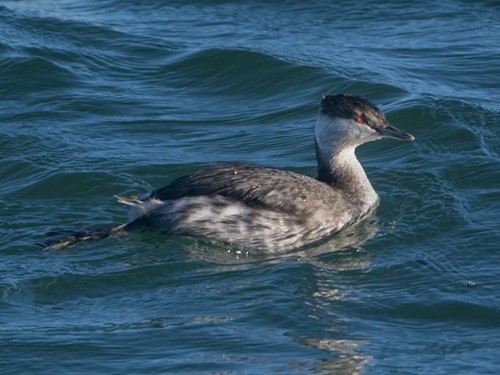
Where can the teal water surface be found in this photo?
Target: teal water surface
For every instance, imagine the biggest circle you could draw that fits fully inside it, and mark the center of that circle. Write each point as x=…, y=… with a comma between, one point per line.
x=104, y=98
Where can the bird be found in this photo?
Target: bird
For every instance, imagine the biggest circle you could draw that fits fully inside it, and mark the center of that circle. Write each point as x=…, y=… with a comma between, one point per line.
x=260, y=208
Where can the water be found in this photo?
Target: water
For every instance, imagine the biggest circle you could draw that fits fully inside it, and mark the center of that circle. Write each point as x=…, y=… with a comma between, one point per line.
x=116, y=97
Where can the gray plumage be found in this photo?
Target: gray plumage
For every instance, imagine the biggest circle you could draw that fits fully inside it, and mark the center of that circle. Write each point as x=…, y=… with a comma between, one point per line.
x=247, y=205
x=256, y=186
x=270, y=209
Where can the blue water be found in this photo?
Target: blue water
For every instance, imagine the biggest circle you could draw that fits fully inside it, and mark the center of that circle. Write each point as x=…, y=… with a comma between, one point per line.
x=103, y=98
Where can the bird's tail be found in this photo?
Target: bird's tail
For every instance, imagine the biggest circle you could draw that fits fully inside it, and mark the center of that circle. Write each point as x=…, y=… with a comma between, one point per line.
x=71, y=238
x=65, y=239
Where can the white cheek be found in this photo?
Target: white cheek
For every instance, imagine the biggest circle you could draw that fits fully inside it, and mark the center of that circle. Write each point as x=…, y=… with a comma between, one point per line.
x=328, y=129
x=364, y=131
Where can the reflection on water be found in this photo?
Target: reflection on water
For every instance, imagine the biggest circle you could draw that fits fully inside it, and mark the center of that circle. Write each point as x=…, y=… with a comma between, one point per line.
x=322, y=262
x=346, y=358
x=344, y=354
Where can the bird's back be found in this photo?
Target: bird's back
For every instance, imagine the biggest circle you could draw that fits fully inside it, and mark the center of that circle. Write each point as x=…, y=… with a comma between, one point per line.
x=256, y=186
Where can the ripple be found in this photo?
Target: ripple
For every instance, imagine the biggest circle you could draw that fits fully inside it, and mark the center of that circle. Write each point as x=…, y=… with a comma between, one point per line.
x=110, y=97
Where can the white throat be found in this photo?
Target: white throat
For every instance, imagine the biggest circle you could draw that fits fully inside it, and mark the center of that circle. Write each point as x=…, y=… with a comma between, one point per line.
x=336, y=142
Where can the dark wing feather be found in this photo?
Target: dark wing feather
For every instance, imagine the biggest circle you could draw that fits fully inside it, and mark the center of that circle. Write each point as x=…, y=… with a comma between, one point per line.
x=252, y=184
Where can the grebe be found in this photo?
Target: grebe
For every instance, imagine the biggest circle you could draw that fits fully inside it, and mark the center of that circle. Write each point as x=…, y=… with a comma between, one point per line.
x=267, y=209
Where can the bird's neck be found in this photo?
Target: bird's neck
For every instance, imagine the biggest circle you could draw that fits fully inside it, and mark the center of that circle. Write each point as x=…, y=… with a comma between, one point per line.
x=339, y=167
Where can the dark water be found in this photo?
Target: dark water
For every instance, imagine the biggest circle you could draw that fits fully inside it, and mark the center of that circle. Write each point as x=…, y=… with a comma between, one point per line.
x=117, y=97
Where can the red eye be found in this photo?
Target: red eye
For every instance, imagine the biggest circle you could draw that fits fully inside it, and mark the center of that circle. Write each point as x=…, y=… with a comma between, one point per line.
x=360, y=119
